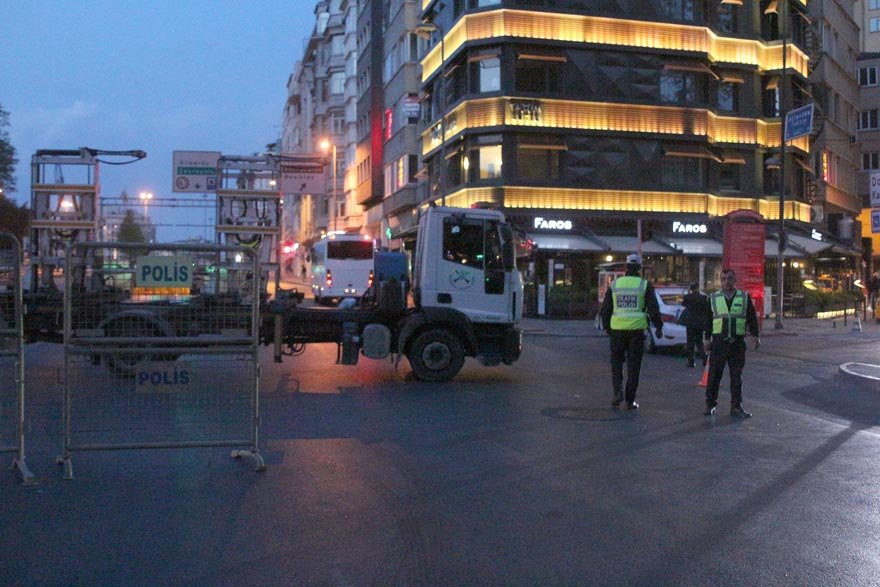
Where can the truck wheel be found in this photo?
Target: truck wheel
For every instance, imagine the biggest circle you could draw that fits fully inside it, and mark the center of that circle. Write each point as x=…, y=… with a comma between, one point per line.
x=125, y=364
x=436, y=355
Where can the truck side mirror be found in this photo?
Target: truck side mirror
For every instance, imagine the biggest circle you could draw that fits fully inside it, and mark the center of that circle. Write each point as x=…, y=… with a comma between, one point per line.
x=508, y=252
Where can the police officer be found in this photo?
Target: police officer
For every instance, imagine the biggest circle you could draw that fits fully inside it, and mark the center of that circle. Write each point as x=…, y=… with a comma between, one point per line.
x=626, y=309
x=733, y=315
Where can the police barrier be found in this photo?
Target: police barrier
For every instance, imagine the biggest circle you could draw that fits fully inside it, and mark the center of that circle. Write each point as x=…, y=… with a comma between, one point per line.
x=160, y=348
x=12, y=355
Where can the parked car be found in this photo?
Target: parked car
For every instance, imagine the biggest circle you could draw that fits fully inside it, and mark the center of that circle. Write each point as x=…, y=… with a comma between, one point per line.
x=669, y=298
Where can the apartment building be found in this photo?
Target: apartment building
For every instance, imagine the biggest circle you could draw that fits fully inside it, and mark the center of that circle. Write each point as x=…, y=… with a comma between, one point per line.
x=606, y=127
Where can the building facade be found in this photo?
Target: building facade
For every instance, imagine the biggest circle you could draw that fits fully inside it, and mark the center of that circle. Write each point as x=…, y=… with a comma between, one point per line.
x=607, y=127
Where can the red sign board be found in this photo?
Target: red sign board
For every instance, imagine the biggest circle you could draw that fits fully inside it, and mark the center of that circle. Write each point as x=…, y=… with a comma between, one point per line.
x=744, y=236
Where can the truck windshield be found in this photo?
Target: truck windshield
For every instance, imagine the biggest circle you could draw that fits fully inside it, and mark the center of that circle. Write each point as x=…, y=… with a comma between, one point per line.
x=361, y=250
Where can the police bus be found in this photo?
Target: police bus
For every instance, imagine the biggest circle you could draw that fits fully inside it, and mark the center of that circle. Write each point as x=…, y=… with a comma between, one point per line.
x=342, y=266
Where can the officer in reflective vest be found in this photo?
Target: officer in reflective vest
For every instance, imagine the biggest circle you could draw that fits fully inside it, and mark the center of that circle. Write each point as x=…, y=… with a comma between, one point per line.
x=626, y=309
x=733, y=316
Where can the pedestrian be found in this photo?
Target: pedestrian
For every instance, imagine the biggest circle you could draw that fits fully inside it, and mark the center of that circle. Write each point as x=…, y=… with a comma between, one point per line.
x=733, y=316
x=873, y=289
x=697, y=320
x=625, y=314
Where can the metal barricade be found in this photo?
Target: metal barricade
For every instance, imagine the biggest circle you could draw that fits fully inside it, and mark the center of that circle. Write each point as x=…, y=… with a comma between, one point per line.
x=12, y=354
x=160, y=348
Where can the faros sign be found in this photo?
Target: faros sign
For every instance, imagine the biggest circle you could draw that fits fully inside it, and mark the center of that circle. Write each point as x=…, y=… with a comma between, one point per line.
x=548, y=224
x=685, y=228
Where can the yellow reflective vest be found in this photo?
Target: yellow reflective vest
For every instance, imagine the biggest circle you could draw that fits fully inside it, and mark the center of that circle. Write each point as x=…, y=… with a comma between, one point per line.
x=628, y=299
x=728, y=323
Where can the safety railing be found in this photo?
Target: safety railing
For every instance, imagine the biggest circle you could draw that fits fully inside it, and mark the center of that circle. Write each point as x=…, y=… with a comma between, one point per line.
x=160, y=348
x=12, y=383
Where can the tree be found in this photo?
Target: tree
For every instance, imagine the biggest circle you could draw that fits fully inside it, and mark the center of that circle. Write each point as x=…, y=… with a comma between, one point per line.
x=7, y=155
x=14, y=219
x=130, y=231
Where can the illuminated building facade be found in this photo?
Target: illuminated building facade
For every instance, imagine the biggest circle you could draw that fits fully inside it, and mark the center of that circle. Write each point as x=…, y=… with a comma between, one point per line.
x=604, y=113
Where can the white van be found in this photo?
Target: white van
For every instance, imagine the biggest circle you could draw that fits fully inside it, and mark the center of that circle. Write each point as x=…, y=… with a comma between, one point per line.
x=342, y=266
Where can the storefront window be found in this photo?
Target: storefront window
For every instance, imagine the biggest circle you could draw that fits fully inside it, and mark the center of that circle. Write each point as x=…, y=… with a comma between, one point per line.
x=484, y=163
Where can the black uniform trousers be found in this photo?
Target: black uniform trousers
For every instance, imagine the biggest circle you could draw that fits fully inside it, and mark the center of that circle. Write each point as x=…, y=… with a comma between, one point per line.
x=733, y=354
x=629, y=346
x=695, y=342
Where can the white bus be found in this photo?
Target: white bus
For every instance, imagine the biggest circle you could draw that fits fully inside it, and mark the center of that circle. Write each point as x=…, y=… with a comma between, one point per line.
x=342, y=266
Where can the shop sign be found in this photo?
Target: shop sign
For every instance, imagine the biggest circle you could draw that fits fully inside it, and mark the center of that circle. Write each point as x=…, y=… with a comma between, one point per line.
x=816, y=235
x=550, y=224
x=744, y=243
x=685, y=228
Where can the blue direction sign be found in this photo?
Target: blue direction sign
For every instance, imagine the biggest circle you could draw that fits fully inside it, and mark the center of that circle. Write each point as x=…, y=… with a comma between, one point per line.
x=799, y=122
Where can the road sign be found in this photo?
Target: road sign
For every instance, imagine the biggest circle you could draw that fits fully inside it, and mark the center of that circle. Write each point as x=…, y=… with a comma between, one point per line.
x=875, y=221
x=303, y=174
x=195, y=171
x=799, y=122
x=874, y=189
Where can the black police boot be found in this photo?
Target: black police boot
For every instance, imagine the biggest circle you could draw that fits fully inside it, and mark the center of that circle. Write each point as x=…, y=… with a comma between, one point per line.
x=631, y=406
x=710, y=410
x=739, y=412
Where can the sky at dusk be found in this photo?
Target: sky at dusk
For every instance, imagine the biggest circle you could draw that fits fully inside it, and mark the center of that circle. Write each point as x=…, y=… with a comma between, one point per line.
x=158, y=75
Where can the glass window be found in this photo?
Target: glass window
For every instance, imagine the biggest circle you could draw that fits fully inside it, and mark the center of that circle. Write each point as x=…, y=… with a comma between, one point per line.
x=683, y=10
x=874, y=25
x=487, y=74
x=868, y=120
x=350, y=249
x=683, y=173
x=727, y=18
x=463, y=242
x=680, y=87
x=489, y=162
x=873, y=4
x=537, y=76
x=871, y=160
x=337, y=82
x=868, y=76
x=730, y=177
x=728, y=97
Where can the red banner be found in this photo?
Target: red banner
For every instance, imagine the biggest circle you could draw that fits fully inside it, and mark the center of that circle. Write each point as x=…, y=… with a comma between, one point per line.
x=744, y=236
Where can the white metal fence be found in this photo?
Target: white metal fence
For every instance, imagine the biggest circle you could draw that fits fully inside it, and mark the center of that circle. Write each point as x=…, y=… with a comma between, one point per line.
x=12, y=394
x=160, y=348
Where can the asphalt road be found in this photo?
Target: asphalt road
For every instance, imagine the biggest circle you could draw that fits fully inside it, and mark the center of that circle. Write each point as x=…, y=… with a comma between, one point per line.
x=518, y=475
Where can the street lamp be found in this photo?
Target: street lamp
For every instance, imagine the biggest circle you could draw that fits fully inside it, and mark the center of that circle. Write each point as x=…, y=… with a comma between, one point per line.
x=325, y=145
x=780, y=268
x=426, y=30
x=146, y=197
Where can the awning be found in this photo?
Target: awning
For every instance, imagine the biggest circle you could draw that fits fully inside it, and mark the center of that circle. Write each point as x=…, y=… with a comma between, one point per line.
x=630, y=244
x=771, y=250
x=684, y=150
x=732, y=157
x=692, y=66
x=697, y=247
x=810, y=245
x=563, y=242
x=732, y=77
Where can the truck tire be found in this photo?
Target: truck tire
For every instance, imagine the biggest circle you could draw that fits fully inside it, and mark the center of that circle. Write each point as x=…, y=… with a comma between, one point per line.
x=436, y=355
x=124, y=365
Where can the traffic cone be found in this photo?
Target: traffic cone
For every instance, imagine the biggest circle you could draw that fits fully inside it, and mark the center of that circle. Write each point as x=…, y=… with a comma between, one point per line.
x=704, y=380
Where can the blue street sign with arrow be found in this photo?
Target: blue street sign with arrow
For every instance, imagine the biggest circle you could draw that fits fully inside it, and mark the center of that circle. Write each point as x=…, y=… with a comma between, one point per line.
x=798, y=122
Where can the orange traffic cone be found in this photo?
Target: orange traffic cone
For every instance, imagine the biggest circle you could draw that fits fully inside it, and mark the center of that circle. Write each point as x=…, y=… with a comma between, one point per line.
x=704, y=380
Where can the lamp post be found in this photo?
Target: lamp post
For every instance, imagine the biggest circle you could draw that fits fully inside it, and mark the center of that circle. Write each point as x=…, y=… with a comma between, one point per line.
x=426, y=30
x=325, y=145
x=780, y=267
x=146, y=197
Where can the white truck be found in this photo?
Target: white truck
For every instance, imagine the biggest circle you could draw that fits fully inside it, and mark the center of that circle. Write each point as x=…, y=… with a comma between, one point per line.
x=467, y=298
